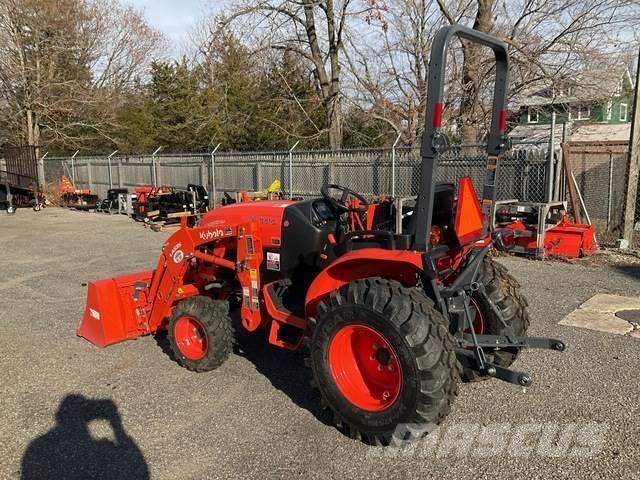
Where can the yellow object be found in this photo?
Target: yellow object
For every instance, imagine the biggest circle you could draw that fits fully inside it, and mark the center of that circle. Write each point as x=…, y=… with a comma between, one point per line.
x=274, y=187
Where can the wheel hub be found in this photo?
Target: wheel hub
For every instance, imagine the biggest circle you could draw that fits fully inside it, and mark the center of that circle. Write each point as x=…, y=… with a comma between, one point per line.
x=191, y=338
x=365, y=367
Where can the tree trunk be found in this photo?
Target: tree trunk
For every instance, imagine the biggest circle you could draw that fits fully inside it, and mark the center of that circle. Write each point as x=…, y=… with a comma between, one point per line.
x=334, y=116
x=469, y=114
x=33, y=129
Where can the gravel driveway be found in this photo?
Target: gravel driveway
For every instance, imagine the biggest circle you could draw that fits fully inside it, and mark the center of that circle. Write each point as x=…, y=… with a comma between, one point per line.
x=70, y=408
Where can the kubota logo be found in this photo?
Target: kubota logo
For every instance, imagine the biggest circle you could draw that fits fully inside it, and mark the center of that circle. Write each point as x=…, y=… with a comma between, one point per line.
x=211, y=234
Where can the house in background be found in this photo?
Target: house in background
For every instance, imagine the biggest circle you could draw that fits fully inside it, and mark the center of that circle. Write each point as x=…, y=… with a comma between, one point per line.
x=595, y=106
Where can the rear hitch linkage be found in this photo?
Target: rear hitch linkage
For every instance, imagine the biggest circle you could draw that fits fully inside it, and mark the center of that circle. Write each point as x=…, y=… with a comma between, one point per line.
x=474, y=350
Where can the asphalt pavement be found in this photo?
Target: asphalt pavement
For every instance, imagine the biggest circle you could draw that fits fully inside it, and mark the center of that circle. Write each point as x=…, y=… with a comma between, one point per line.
x=71, y=410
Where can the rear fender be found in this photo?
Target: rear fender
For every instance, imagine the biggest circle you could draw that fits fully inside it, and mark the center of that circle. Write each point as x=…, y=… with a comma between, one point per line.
x=400, y=265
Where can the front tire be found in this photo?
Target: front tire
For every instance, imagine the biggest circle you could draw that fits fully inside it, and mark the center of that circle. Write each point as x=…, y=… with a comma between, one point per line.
x=200, y=333
x=383, y=361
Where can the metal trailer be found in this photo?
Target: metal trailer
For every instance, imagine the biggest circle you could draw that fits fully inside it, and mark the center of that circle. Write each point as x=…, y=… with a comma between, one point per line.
x=19, y=183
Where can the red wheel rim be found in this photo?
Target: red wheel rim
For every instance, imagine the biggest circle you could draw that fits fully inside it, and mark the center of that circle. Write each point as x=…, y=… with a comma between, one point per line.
x=191, y=338
x=365, y=367
x=478, y=319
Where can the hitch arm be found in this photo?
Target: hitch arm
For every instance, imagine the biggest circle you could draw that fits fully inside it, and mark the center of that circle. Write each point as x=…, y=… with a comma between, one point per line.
x=505, y=341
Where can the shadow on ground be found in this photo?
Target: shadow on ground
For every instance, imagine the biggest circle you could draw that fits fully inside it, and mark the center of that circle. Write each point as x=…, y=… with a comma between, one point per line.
x=630, y=270
x=70, y=451
x=284, y=368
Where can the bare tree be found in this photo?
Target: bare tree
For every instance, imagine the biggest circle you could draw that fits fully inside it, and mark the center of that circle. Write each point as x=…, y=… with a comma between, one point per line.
x=314, y=30
x=62, y=64
x=388, y=60
x=549, y=40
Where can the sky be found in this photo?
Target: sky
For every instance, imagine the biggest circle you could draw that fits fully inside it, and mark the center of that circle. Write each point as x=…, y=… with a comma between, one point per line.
x=175, y=18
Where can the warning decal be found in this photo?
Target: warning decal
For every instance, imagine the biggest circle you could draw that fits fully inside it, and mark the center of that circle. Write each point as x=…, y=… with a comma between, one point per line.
x=273, y=261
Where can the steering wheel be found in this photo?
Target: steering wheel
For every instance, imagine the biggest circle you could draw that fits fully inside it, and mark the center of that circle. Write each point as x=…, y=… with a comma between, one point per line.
x=340, y=205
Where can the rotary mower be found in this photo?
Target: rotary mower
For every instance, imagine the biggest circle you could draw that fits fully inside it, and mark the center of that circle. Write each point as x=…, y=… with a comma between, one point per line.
x=391, y=305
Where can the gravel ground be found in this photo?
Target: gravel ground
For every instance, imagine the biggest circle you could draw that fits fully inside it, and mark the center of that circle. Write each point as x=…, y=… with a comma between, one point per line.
x=255, y=416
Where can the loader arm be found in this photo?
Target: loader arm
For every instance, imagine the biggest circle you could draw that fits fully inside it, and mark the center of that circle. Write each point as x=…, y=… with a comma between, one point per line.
x=125, y=307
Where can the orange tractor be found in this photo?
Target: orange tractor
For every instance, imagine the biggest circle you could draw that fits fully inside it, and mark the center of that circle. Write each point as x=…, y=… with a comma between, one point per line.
x=393, y=305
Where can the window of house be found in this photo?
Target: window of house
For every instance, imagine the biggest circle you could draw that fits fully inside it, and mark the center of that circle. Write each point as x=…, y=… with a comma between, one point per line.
x=623, y=112
x=532, y=116
x=583, y=113
x=608, y=110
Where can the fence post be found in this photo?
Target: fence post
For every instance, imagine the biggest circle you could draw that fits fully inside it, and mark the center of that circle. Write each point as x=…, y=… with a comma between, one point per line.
x=119, y=169
x=90, y=175
x=41, y=176
x=393, y=166
x=154, y=174
x=557, y=191
x=548, y=194
x=291, y=168
x=610, y=190
x=259, y=181
x=202, y=168
x=634, y=161
x=213, y=175
x=109, y=168
x=73, y=168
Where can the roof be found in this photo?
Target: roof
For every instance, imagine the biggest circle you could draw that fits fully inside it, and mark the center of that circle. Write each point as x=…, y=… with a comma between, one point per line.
x=576, y=132
x=536, y=134
x=587, y=86
x=601, y=132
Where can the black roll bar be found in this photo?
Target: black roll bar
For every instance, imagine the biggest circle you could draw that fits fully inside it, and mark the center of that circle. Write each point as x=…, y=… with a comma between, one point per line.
x=434, y=141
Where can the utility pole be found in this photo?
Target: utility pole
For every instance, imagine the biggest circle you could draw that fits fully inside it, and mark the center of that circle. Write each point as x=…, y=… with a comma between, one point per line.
x=634, y=161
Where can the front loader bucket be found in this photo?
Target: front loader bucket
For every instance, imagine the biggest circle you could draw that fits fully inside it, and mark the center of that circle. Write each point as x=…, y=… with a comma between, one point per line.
x=112, y=314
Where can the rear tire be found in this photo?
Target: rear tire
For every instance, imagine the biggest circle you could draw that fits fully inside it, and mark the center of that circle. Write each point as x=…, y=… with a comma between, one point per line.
x=200, y=333
x=504, y=292
x=413, y=338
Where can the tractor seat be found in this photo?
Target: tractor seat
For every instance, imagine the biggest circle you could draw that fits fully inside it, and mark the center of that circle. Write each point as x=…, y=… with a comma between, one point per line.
x=443, y=208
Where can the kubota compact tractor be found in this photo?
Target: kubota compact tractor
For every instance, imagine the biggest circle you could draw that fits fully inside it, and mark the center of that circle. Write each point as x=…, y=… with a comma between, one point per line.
x=393, y=306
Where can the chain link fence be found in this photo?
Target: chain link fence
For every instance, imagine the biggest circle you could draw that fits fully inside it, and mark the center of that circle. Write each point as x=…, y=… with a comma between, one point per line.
x=372, y=172
x=600, y=173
